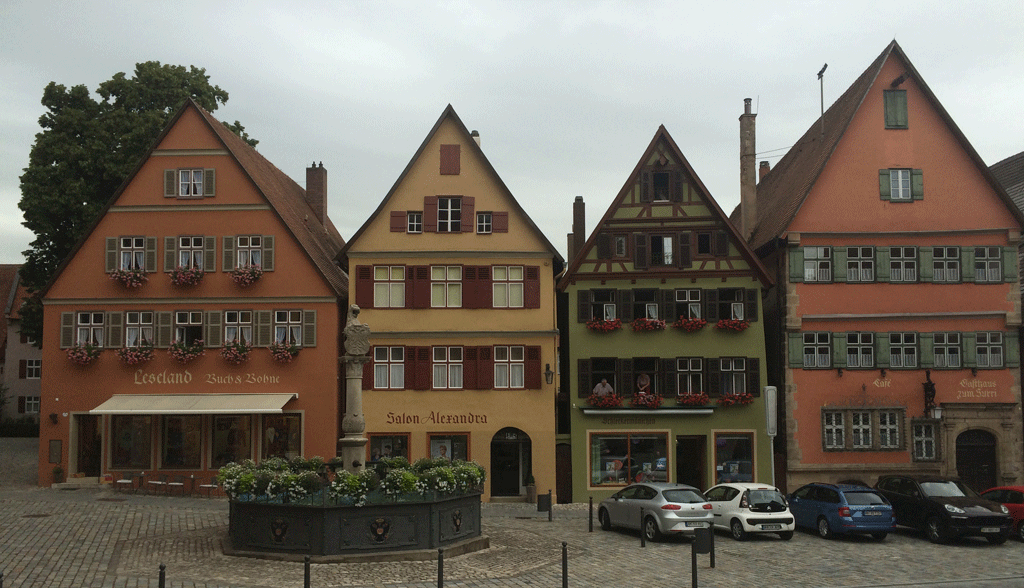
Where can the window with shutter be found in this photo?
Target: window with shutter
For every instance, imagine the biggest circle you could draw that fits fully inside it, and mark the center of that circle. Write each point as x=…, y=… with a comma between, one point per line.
x=640, y=250
x=398, y=221
x=895, y=102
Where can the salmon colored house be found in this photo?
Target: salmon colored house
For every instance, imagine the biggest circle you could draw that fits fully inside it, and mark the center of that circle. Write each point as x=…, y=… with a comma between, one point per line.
x=197, y=323
x=456, y=283
x=899, y=301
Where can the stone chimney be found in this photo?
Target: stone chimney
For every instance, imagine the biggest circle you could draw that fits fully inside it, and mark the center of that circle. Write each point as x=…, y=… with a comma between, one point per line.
x=579, y=226
x=316, y=190
x=763, y=171
x=476, y=136
x=748, y=183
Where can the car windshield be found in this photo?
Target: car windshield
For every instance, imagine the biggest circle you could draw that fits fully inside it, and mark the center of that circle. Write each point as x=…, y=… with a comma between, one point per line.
x=765, y=497
x=948, y=488
x=863, y=498
x=683, y=496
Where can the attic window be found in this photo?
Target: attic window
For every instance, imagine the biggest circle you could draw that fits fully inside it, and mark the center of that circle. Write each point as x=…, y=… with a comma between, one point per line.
x=661, y=186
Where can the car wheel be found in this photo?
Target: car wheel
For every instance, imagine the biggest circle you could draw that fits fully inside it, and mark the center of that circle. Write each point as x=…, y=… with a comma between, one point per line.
x=786, y=535
x=824, y=530
x=996, y=539
x=879, y=536
x=1020, y=531
x=933, y=529
x=606, y=523
x=651, y=531
x=737, y=530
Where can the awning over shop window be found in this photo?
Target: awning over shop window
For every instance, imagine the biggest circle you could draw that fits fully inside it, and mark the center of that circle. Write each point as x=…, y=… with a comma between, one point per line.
x=194, y=404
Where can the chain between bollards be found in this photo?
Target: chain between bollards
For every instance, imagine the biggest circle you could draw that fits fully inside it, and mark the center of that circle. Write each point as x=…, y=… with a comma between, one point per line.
x=163, y=577
x=305, y=578
x=590, y=519
x=551, y=506
x=440, y=567
x=1, y=580
x=643, y=539
x=565, y=565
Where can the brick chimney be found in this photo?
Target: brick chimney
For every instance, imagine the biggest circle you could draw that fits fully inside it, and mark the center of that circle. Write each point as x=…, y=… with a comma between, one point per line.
x=748, y=183
x=316, y=190
x=763, y=171
x=579, y=226
x=476, y=136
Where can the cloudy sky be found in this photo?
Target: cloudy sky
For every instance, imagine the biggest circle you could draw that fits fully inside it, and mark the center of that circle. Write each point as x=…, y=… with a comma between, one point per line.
x=566, y=95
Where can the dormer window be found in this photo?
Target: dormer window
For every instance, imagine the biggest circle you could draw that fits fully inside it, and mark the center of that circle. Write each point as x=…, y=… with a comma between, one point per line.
x=189, y=183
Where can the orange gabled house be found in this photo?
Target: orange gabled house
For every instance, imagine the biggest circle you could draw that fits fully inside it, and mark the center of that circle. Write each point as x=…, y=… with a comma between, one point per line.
x=898, y=300
x=197, y=322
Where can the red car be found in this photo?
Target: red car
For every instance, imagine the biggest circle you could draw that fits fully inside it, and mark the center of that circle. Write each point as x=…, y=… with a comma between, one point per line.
x=1012, y=497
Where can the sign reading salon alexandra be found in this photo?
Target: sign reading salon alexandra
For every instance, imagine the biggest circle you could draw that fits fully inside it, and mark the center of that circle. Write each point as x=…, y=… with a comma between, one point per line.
x=436, y=418
x=166, y=377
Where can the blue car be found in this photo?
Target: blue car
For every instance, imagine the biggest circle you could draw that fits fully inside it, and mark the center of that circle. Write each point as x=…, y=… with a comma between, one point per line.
x=842, y=508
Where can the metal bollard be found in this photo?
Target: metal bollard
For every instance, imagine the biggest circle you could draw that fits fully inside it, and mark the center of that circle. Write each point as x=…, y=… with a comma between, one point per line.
x=590, y=519
x=305, y=579
x=1, y=580
x=565, y=566
x=163, y=578
x=551, y=506
x=643, y=540
x=440, y=567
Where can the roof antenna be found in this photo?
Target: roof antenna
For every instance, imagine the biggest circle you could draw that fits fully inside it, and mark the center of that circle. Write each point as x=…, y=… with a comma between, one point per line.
x=821, y=78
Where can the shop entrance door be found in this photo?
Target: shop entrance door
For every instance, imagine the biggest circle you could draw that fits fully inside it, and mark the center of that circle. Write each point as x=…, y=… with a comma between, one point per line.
x=691, y=462
x=89, y=444
x=510, y=462
x=976, y=459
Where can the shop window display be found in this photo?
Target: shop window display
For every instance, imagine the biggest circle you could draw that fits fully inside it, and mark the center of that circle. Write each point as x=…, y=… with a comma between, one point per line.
x=734, y=457
x=450, y=447
x=282, y=436
x=384, y=446
x=132, y=442
x=180, y=442
x=624, y=458
x=232, y=440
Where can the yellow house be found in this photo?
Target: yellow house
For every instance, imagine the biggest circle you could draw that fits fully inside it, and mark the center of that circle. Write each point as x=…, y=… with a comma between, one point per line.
x=457, y=284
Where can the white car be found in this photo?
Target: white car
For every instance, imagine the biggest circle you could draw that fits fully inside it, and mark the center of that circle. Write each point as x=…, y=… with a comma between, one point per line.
x=744, y=507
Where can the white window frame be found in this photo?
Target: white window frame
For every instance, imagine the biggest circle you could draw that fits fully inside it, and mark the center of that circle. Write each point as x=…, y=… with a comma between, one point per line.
x=690, y=375
x=32, y=404
x=449, y=214
x=860, y=429
x=990, y=346
x=988, y=264
x=691, y=298
x=132, y=253
x=238, y=326
x=889, y=429
x=619, y=243
x=484, y=223
x=899, y=184
x=945, y=264
x=414, y=222
x=860, y=264
x=138, y=328
x=817, y=264
x=903, y=350
x=509, y=366
x=190, y=183
x=947, y=351
x=389, y=368
x=860, y=350
x=507, y=286
x=33, y=370
x=447, y=368
x=903, y=264
x=248, y=251
x=817, y=349
x=190, y=251
x=734, y=375
x=666, y=258
x=925, y=446
x=89, y=328
x=389, y=286
x=446, y=286
x=288, y=327
x=185, y=320
x=834, y=429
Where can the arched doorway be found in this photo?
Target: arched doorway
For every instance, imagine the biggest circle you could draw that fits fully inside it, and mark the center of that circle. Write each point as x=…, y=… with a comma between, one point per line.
x=511, y=462
x=976, y=459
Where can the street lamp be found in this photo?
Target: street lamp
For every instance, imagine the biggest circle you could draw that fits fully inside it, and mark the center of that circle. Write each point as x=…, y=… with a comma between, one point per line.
x=549, y=375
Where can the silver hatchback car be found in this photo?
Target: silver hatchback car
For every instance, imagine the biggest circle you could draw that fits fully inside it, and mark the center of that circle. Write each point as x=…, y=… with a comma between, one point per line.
x=666, y=509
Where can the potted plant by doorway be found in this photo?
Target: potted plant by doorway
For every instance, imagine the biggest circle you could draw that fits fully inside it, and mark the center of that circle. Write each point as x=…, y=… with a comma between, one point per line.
x=531, y=489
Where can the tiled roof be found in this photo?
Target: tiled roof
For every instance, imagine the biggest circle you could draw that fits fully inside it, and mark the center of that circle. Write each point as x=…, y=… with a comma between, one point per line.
x=783, y=190
x=1010, y=174
x=8, y=287
x=321, y=241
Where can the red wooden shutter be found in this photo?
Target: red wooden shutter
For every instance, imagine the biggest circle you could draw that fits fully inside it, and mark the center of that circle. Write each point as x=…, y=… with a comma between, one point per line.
x=24, y=338
x=484, y=287
x=368, y=372
x=499, y=222
x=531, y=287
x=420, y=286
x=410, y=368
x=485, y=373
x=430, y=214
x=470, y=368
x=685, y=257
x=533, y=368
x=451, y=160
x=398, y=221
x=677, y=186
x=22, y=369
x=21, y=405
x=423, y=368
x=364, y=286
x=470, y=287
x=721, y=244
x=645, y=187
x=639, y=251
x=469, y=215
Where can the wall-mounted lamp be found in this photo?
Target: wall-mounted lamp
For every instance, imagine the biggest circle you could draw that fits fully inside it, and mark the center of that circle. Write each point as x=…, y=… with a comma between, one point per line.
x=883, y=372
x=53, y=418
x=974, y=372
x=549, y=376
x=839, y=371
x=937, y=412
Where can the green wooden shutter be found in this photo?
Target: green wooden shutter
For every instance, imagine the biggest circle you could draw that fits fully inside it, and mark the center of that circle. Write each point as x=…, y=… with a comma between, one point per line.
x=624, y=305
x=839, y=350
x=668, y=377
x=685, y=256
x=170, y=183
x=882, y=350
x=667, y=305
x=1012, y=354
x=164, y=329
x=926, y=268
x=67, y=330
x=624, y=371
x=1010, y=261
x=209, y=254
x=268, y=253
x=583, y=306
x=796, y=264
x=228, y=243
x=640, y=248
x=895, y=109
x=714, y=383
x=213, y=334
x=839, y=264
x=209, y=182
x=583, y=378
x=967, y=264
x=751, y=297
x=264, y=328
x=111, y=257
x=796, y=350
x=113, y=329
x=309, y=328
x=927, y=344
x=711, y=305
x=882, y=264
x=916, y=184
x=753, y=373
x=884, y=185
x=970, y=343
x=150, y=254
x=170, y=253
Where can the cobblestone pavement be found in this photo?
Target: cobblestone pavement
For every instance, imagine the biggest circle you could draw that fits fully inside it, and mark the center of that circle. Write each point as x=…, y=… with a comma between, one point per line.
x=98, y=538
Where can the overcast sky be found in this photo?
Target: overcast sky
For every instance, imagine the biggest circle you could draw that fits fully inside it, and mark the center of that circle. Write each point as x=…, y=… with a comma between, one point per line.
x=566, y=96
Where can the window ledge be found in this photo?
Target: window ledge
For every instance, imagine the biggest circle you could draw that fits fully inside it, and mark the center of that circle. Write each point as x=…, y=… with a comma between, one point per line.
x=704, y=410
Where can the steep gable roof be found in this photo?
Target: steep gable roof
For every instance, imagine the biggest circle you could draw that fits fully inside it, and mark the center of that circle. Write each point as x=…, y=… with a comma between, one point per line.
x=1010, y=174
x=449, y=113
x=662, y=135
x=286, y=198
x=782, y=192
x=8, y=289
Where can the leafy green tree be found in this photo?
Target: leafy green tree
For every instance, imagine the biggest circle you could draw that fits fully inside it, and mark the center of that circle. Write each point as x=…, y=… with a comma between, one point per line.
x=85, y=152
